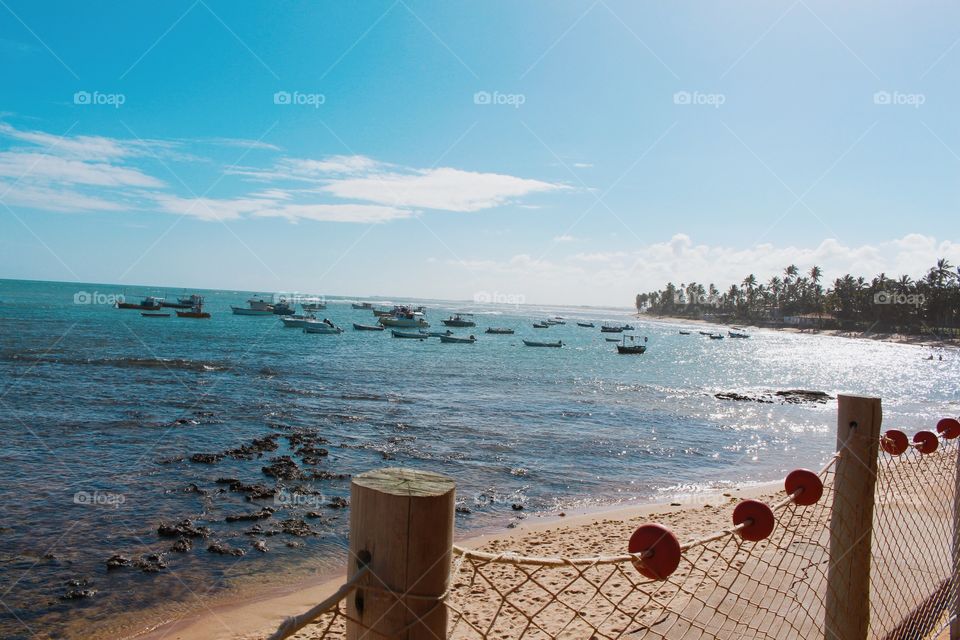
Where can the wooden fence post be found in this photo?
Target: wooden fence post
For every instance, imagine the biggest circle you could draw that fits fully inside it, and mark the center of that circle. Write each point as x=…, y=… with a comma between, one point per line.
x=401, y=527
x=955, y=587
x=851, y=521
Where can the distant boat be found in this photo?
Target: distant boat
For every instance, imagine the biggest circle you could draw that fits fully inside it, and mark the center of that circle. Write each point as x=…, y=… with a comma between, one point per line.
x=718, y=336
x=195, y=312
x=368, y=327
x=684, y=333
x=541, y=325
x=459, y=321
x=586, y=324
x=243, y=311
x=324, y=327
x=628, y=327
x=706, y=333
x=457, y=340
x=149, y=303
x=313, y=305
x=613, y=339
x=298, y=322
x=499, y=331
x=437, y=334
x=623, y=347
x=409, y=335
x=553, y=321
x=734, y=334
x=181, y=303
x=533, y=343
x=611, y=329
x=153, y=314
x=361, y=305
x=407, y=320
x=259, y=304
x=283, y=308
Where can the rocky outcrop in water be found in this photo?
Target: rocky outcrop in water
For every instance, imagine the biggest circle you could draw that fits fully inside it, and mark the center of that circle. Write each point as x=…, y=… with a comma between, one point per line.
x=263, y=514
x=283, y=468
x=183, y=529
x=151, y=562
x=790, y=396
x=116, y=561
x=224, y=549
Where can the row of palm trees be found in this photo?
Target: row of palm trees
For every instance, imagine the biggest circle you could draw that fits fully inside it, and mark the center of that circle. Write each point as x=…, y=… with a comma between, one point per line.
x=902, y=304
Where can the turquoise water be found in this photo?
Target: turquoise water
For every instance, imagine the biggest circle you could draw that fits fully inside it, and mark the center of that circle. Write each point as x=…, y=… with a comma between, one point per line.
x=109, y=405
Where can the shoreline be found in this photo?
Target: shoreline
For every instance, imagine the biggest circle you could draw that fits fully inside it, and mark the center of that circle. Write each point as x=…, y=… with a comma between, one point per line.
x=895, y=338
x=254, y=616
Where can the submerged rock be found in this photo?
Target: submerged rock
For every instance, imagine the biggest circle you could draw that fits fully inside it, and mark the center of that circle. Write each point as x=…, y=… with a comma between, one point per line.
x=183, y=529
x=296, y=527
x=151, y=563
x=224, y=549
x=263, y=514
x=791, y=396
x=260, y=546
x=78, y=594
x=338, y=503
x=183, y=545
x=206, y=458
x=283, y=468
x=116, y=561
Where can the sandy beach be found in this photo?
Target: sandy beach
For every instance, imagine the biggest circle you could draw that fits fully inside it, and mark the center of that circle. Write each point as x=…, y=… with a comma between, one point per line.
x=597, y=533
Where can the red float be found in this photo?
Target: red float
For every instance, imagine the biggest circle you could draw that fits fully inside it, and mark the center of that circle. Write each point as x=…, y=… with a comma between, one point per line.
x=949, y=428
x=926, y=441
x=894, y=442
x=759, y=519
x=660, y=548
x=809, y=484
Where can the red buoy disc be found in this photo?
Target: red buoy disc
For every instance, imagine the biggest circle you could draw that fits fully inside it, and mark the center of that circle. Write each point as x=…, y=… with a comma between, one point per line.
x=759, y=519
x=809, y=484
x=926, y=441
x=949, y=428
x=661, y=550
x=894, y=442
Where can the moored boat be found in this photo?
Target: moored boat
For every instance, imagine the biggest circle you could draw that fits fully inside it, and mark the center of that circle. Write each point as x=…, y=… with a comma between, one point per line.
x=244, y=311
x=586, y=324
x=361, y=305
x=405, y=318
x=534, y=343
x=684, y=333
x=325, y=327
x=437, y=334
x=313, y=304
x=611, y=329
x=612, y=339
x=705, y=333
x=367, y=327
x=149, y=303
x=718, y=336
x=298, y=321
x=195, y=312
x=457, y=340
x=181, y=303
x=637, y=349
x=541, y=325
x=283, y=308
x=154, y=314
x=735, y=334
x=408, y=335
x=501, y=331
x=459, y=321
x=257, y=303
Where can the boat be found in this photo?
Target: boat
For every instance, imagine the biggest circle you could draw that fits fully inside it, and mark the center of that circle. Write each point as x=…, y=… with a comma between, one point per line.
x=501, y=331
x=154, y=314
x=637, y=349
x=534, y=343
x=734, y=334
x=718, y=336
x=586, y=324
x=404, y=318
x=706, y=333
x=684, y=333
x=259, y=304
x=325, y=327
x=194, y=312
x=408, y=335
x=298, y=321
x=552, y=322
x=382, y=313
x=244, y=311
x=437, y=334
x=611, y=329
x=313, y=304
x=361, y=305
x=457, y=340
x=459, y=321
x=368, y=327
x=628, y=327
x=149, y=303
x=181, y=303
x=540, y=325
x=613, y=339
x=283, y=308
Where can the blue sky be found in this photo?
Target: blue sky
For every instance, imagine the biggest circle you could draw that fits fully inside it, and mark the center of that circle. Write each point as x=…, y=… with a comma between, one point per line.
x=561, y=151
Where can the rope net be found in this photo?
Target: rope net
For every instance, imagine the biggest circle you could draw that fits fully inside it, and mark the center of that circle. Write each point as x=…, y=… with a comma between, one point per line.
x=725, y=585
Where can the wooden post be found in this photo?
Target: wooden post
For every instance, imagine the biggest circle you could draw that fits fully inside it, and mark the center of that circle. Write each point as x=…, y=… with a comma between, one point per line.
x=955, y=582
x=851, y=520
x=401, y=527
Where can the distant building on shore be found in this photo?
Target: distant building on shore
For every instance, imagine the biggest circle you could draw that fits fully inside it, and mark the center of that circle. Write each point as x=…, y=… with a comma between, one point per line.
x=811, y=321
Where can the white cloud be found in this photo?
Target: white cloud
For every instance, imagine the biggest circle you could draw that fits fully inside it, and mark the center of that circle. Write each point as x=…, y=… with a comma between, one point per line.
x=213, y=209
x=564, y=238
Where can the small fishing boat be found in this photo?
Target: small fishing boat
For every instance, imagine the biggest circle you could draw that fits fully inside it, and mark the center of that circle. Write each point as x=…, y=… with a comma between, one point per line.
x=408, y=335
x=553, y=321
x=181, y=303
x=637, y=349
x=684, y=333
x=154, y=314
x=361, y=305
x=734, y=334
x=501, y=331
x=382, y=313
x=541, y=325
x=325, y=327
x=313, y=304
x=613, y=339
x=408, y=320
x=611, y=329
x=457, y=340
x=244, y=311
x=283, y=308
x=706, y=333
x=534, y=343
x=368, y=327
x=257, y=303
x=437, y=334
x=298, y=321
x=628, y=327
x=194, y=312
x=586, y=324
x=459, y=321
x=718, y=336
x=149, y=303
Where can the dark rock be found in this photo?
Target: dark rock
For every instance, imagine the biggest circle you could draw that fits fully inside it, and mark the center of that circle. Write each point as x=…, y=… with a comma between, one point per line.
x=224, y=549
x=796, y=396
x=151, y=563
x=313, y=514
x=283, y=468
x=263, y=514
x=253, y=491
x=206, y=458
x=183, y=545
x=739, y=397
x=260, y=546
x=80, y=582
x=296, y=527
x=516, y=507
x=326, y=475
x=463, y=509
x=171, y=460
x=116, y=561
x=226, y=481
x=183, y=529
x=338, y=503
x=78, y=594
x=295, y=544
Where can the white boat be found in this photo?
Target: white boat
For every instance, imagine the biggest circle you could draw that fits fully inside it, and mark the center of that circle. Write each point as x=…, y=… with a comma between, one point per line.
x=408, y=335
x=361, y=305
x=321, y=327
x=244, y=311
x=313, y=305
x=259, y=304
x=298, y=322
x=457, y=340
x=405, y=321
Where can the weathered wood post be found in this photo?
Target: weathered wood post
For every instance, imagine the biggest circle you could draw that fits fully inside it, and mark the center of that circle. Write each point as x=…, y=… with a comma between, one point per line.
x=955, y=582
x=401, y=527
x=851, y=520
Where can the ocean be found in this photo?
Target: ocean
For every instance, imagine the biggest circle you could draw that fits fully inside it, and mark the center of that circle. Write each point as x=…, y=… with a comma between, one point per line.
x=104, y=410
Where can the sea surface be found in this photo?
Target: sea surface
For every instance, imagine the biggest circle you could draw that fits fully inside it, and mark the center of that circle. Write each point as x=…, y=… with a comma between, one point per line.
x=102, y=411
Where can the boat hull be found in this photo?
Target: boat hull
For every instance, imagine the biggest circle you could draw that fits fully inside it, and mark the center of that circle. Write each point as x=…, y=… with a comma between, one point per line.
x=456, y=340
x=143, y=307
x=322, y=328
x=193, y=314
x=404, y=323
x=151, y=314
x=241, y=311
x=367, y=327
x=532, y=343
x=406, y=335
x=637, y=350
x=499, y=332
